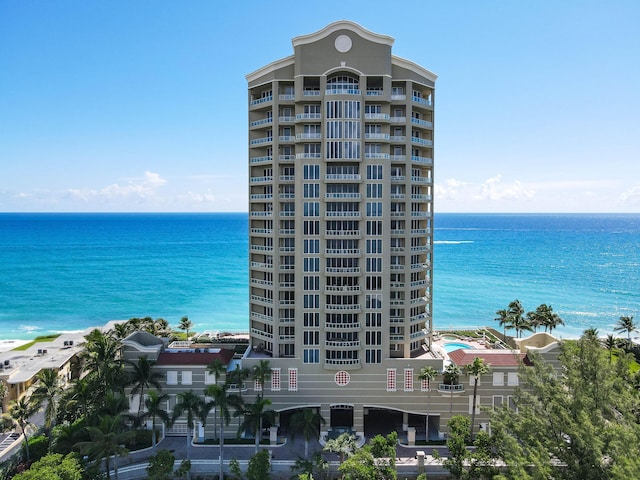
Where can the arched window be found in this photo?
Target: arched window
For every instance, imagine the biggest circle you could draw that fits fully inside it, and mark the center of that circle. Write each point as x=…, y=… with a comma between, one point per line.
x=343, y=84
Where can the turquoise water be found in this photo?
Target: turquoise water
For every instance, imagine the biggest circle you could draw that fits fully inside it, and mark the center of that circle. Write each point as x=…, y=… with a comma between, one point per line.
x=62, y=272
x=450, y=347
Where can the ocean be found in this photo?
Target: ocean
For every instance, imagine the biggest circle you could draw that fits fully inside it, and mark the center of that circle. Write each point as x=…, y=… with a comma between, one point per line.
x=67, y=272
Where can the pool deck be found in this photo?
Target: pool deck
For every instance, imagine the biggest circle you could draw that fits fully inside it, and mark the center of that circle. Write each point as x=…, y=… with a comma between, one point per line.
x=441, y=338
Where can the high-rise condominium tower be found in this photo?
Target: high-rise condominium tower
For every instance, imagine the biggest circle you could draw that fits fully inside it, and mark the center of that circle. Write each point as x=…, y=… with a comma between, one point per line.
x=341, y=211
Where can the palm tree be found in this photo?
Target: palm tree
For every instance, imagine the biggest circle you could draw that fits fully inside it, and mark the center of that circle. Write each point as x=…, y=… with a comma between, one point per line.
x=103, y=361
x=191, y=405
x=427, y=374
x=518, y=321
x=547, y=317
x=254, y=414
x=217, y=368
x=450, y=376
x=222, y=401
x=626, y=324
x=107, y=440
x=154, y=404
x=260, y=373
x=505, y=322
x=476, y=368
x=610, y=343
x=306, y=423
x=344, y=445
x=143, y=376
x=48, y=390
x=122, y=330
x=185, y=324
x=20, y=412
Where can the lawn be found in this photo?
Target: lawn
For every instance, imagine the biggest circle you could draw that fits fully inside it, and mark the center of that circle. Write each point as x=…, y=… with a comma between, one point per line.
x=42, y=338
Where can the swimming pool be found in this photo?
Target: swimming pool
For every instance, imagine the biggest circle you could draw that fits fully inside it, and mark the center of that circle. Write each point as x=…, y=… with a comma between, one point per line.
x=451, y=346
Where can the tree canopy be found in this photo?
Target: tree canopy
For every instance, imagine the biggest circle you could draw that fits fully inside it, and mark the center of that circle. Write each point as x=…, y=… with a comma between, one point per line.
x=579, y=422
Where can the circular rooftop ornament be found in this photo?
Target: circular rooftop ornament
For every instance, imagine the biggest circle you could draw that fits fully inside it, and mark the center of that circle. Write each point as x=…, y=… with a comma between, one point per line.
x=343, y=44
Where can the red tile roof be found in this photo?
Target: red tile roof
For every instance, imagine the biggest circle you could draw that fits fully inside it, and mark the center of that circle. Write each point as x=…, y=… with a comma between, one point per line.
x=194, y=358
x=463, y=357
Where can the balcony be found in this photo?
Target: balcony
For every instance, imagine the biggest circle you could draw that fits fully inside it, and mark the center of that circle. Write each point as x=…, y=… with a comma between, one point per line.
x=351, y=327
x=261, y=214
x=258, y=298
x=343, y=176
x=446, y=388
x=422, y=101
x=286, y=138
x=397, y=214
x=262, y=265
x=397, y=231
x=264, y=159
x=342, y=233
x=398, y=178
x=398, y=138
x=377, y=155
x=343, y=251
x=398, y=158
x=376, y=136
x=342, y=288
x=286, y=196
x=343, y=270
x=375, y=93
x=287, y=178
x=342, y=344
x=308, y=136
x=422, y=141
x=422, y=160
x=423, y=180
x=287, y=158
x=302, y=156
x=342, y=308
x=261, y=333
x=342, y=214
x=376, y=116
x=286, y=119
x=422, y=123
x=421, y=317
x=342, y=195
x=420, y=248
x=261, y=283
x=308, y=116
x=262, y=231
x=311, y=93
x=287, y=96
x=262, y=121
x=261, y=179
x=342, y=91
x=259, y=101
x=398, y=119
x=262, y=317
x=261, y=248
x=261, y=141
x=420, y=197
x=400, y=98
x=261, y=196
x=421, y=214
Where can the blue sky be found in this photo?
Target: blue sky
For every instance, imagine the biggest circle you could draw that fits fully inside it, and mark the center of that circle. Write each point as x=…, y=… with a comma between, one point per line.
x=141, y=105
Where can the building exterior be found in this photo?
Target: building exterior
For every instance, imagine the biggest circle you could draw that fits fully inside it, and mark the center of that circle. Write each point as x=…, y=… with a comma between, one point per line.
x=19, y=368
x=341, y=178
x=341, y=202
x=340, y=273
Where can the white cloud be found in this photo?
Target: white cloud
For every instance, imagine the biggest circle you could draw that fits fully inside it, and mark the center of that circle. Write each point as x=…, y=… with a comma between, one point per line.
x=143, y=187
x=494, y=189
x=630, y=197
